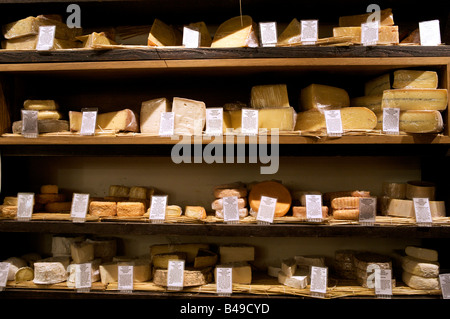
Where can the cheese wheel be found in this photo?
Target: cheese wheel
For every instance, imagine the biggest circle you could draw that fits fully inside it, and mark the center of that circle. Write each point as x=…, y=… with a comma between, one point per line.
x=418, y=282
x=345, y=203
x=271, y=189
x=300, y=212
x=347, y=214
x=228, y=192
x=58, y=207
x=420, y=189
x=49, y=198
x=394, y=190
x=405, y=208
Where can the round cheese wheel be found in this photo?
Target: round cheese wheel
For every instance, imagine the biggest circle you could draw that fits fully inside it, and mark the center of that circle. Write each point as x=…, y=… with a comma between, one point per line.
x=348, y=214
x=274, y=190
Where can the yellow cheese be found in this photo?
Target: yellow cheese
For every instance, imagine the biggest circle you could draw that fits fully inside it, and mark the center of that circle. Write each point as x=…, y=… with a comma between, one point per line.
x=372, y=102
x=129, y=209
x=405, y=208
x=191, y=250
x=386, y=18
x=163, y=35
x=162, y=260
x=190, y=116
x=241, y=272
x=190, y=277
x=30, y=42
x=95, y=38
x=413, y=79
x=44, y=126
x=269, y=118
x=290, y=35
x=106, y=208
x=205, y=36
x=236, y=32
x=416, y=99
x=386, y=34
x=417, y=121
x=266, y=96
x=124, y=120
x=58, y=207
x=227, y=125
x=48, y=115
x=150, y=115
x=377, y=85
x=271, y=189
x=323, y=97
x=40, y=105
x=82, y=252
x=197, y=212
x=205, y=258
x=353, y=118
x=236, y=253
x=300, y=212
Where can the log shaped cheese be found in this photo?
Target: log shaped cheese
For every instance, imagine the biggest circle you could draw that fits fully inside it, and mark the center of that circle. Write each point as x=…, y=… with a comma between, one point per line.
x=271, y=189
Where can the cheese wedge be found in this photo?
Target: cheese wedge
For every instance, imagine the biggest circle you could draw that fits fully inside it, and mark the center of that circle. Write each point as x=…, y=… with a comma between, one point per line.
x=372, y=102
x=419, y=267
x=264, y=96
x=150, y=115
x=323, y=97
x=376, y=86
x=30, y=42
x=190, y=116
x=421, y=283
x=282, y=118
x=205, y=258
x=415, y=99
x=95, y=38
x=205, y=36
x=82, y=252
x=236, y=32
x=124, y=120
x=163, y=35
x=405, y=208
x=386, y=18
x=104, y=248
x=353, y=118
x=290, y=35
x=422, y=253
x=413, y=79
x=413, y=121
x=40, y=105
x=386, y=34
x=271, y=189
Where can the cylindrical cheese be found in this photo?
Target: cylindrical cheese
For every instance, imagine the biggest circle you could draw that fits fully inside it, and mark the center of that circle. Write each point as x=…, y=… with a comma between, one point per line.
x=49, y=189
x=405, y=208
x=300, y=212
x=347, y=214
x=394, y=190
x=274, y=190
x=420, y=189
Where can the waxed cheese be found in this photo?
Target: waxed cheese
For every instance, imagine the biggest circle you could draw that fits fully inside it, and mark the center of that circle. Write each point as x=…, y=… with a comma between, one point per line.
x=271, y=189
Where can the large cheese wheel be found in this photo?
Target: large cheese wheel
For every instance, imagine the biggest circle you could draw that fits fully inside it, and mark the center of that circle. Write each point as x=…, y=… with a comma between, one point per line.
x=274, y=190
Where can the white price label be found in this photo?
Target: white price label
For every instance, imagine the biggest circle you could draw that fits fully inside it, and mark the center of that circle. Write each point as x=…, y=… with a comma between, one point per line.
x=125, y=277
x=166, y=124
x=230, y=209
x=333, y=122
x=83, y=277
x=367, y=210
x=30, y=127
x=175, y=275
x=214, y=121
x=369, y=33
x=158, y=208
x=430, y=33
x=25, y=203
x=391, y=121
x=224, y=280
x=79, y=208
x=383, y=283
x=310, y=31
x=191, y=37
x=88, y=122
x=319, y=280
x=314, y=207
x=266, y=210
x=4, y=271
x=444, y=282
x=249, y=124
x=46, y=37
x=422, y=211
x=268, y=34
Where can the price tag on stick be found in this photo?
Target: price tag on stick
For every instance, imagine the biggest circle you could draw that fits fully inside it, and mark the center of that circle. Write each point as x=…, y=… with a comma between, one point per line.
x=4, y=271
x=158, y=209
x=249, y=124
x=125, y=277
x=367, y=210
x=214, y=121
x=191, y=37
x=369, y=33
x=319, y=281
x=444, y=282
x=166, y=124
x=80, y=204
x=224, y=281
x=268, y=34
x=310, y=31
x=175, y=275
x=430, y=33
x=46, y=38
x=230, y=209
x=83, y=277
x=266, y=211
x=88, y=121
x=383, y=283
x=422, y=211
x=25, y=203
x=314, y=208
x=391, y=121
x=30, y=128
x=334, y=122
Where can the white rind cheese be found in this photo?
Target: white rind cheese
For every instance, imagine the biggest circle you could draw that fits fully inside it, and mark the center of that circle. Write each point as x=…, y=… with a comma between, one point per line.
x=419, y=267
x=51, y=270
x=421, y=283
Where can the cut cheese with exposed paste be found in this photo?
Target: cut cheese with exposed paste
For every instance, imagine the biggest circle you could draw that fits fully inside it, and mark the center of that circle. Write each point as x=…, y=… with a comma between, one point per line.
x=236, y=32
x=124, y=120
x=44, y=126
x=190, y=116
x=386, y=34
x=241, y=272
x=415, y=99
x=419, y=267
x=290, y=35
x=236, y=253
x=163, y=35
x=162, y=260
x=61, y=245
x=150, y=115
x=323, y=97
x=191, y=250
x=51, y=270
x=264, y=96
x=421, y=283
x=414, y=79
x=372, y=102
x=205, y=258
x=282, y=118
x=417, y=121
x=405, y=208
x=82, y=252
x=273, y=271
x=422, y=253
x=205, y=36
x=104, y=248
x=299, y=282
x=289, y=267
x=386, y=18
x=353, y=118
x=271, y=189
x=191, y=278
x=376, y=86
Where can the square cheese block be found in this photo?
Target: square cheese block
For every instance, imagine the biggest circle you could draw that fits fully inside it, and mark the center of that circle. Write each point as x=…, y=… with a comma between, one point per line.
x=378, y=85
x=190, y=116
x=124, y=120
x=163, y=35
x=104, y=248
x=323, y=97
x=40, y=105
x=372, y=102
x=353, y=118
x=109, y=272
x=282, y=118
x=291, y=35
x=241, y=272
x=103, y=208
x=205, y=35
x=139, y=192
x=264, y=96
x=51, y=270
x=420, y=267
x=190, y=249
x=420, y=283
x=130, y=209
x=236, y=253
x=150, y=116
x=218, y=203
x=386, y=18
x=236, y=32
x=61, y=245
x=119, y=191
x=415, y=79
x=240, y=192
x=413, y=121
x=362, y=260
x=415, y=99
x=82, y=252
x=422, y=253
x=162, y=260
x=386, y=34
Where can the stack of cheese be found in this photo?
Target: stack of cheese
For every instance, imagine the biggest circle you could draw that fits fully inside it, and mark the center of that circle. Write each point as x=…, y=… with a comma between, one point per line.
x=49, y=117
x=238, y=258
x=274, y=110
x=82, y=252
x=238, y=190
x=345, y=204
x=299, y=204
x=295, y=272
x=22, y=268
x=404, y=207
x=51, y=200
x=390, y=191
x=414, y=92
x=23, y=34
x=364, y=261
x=199, y=262
x=343, y=264
x=351, y=26
x=316, y=98
x=9, y=207
x=420, y=268
x=272, y=189
x=117, y=121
